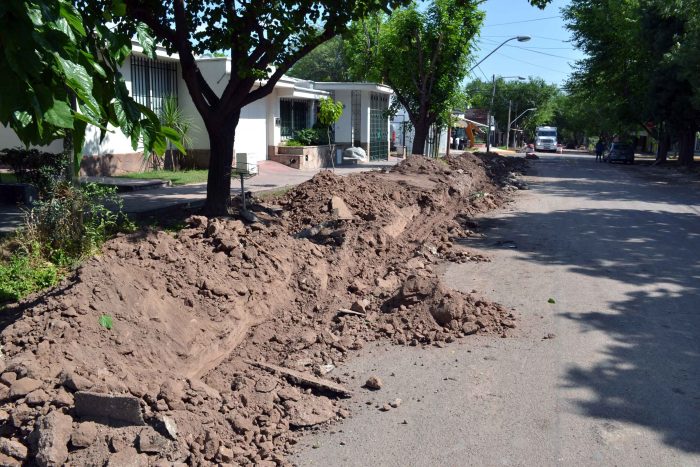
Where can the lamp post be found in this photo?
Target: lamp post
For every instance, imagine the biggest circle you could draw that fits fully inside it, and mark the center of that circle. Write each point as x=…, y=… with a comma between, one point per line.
x=511, y=122
x=493, y=95
x=514, y=38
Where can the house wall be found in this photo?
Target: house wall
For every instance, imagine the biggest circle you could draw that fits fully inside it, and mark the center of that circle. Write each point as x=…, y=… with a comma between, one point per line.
x=8, y=139
x=343, y=127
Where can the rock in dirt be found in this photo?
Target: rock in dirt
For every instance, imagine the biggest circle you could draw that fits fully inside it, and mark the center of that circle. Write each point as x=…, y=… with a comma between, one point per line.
x=151, y=442
x=395, y=403
x=51, y=436
x=13, y=448
x=108, y=407
x=339, y=209
x=74, y=382
x=374, y=383
x=170, y=426
x=23, y=386
x=84, y=435
x=360, y=306
x=309, y=411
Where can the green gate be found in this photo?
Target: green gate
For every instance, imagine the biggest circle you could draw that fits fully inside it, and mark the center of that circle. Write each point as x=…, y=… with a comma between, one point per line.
x=378, y=127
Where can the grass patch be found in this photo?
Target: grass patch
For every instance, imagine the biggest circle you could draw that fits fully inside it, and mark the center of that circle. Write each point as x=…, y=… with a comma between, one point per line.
x=272, y=194
x=22, y=274
x=179, y=177
x=8, y=177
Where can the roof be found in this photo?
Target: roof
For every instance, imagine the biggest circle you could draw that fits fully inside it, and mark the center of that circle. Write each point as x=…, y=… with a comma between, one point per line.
x=353, y=86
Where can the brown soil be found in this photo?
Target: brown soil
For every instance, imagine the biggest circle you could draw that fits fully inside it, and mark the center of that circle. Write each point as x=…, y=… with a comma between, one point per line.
x=191, y=311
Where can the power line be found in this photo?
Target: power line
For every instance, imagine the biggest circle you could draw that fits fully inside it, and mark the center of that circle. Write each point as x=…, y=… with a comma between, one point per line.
x=524, y=21
x=532, y=64
x=533, y=50
x=534, y=37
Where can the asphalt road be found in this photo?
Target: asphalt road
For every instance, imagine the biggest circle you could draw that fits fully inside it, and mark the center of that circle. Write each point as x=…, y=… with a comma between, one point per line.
x=619, y=381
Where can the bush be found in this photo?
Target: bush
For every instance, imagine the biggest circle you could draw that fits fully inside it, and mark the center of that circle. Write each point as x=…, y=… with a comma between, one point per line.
x=73, y=223
x=24, y=274
x=44, y=170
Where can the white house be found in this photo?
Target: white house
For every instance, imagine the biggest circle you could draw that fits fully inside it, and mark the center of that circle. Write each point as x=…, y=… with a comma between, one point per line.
x=264, y=125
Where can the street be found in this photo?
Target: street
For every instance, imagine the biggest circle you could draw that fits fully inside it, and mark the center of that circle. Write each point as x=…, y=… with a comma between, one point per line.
x=608, y=374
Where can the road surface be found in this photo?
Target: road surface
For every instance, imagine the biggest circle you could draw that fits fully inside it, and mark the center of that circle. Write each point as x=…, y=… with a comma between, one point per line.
x=618, y=382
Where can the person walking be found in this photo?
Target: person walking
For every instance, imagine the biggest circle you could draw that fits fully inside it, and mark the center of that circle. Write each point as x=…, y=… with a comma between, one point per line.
x=599, y=148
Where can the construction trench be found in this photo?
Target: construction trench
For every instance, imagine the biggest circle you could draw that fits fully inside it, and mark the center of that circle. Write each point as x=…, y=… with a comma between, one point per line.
x=226, y=337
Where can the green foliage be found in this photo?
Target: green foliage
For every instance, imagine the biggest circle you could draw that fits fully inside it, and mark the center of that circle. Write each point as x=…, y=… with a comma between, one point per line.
x=42, y=169
x=327, y=62
x=23, y=274
x=106, y=321
x=422, y=53
x=307, y=137
x=534, y=92
x=73, y=223
x=329, y=111
x=61, y=72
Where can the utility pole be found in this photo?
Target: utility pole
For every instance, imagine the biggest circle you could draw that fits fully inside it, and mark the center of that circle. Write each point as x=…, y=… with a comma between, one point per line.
x=510, y=104
x=488, y=118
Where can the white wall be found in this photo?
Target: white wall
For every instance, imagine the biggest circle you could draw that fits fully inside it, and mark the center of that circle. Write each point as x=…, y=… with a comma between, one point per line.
x=9, y=139
x=343, y=127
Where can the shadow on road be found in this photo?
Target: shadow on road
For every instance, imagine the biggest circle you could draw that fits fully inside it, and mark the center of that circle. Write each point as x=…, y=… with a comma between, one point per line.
x=650, y=376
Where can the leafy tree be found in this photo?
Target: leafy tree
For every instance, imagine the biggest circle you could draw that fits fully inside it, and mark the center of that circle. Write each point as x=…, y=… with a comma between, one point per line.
x=518, y=95
x=328, y=113
x=264, y=39
x=60, y=73
x=326, y=62
x=422, y=53
x=641, y=66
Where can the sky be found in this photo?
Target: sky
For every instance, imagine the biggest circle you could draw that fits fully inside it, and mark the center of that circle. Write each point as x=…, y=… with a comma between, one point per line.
x=548, y=55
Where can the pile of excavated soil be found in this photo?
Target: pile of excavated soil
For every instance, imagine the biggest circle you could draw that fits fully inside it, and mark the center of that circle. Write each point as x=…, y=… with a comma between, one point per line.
x=217, y=344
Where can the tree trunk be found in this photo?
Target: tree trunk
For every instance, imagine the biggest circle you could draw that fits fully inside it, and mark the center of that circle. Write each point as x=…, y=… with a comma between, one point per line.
x=662, y=151
x=221, y=138
x=686, y=146
x=419, y=136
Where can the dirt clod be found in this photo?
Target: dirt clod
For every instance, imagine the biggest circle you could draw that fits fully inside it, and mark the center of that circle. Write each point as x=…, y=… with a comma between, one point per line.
x=374, y=383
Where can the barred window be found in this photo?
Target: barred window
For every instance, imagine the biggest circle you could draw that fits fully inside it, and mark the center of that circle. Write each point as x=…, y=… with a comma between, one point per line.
x=294, y=116
x=152, y=81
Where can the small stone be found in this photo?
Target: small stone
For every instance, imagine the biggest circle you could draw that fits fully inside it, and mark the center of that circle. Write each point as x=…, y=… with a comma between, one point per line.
x=13, y=448
x=395, y=403
x=149, y=441
x=37, y=397
x=385, y=408
x=225, y=454
x=469, y=328
x=8, y=377
x=23, y=386
x=52, y=433
x=240, y=424
x=92, y=405
x=360, y=305
x=170, y=426
x=69, y=313
x=374, y=383
x=74, y=382
x=84, y=435
x=62, y=398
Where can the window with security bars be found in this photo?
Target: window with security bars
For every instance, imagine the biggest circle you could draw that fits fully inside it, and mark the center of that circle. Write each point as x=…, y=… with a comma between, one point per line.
x=378, y=127
x=294, y=116
x=152, y=81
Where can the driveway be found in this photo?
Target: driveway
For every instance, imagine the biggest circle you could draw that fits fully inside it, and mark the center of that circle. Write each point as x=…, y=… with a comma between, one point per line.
x=609, y=374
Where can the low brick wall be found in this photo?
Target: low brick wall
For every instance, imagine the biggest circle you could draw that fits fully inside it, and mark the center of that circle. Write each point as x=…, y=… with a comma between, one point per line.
x=303, y=157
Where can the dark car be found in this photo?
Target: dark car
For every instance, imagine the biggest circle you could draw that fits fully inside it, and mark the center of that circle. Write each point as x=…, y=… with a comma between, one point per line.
x=620, y=152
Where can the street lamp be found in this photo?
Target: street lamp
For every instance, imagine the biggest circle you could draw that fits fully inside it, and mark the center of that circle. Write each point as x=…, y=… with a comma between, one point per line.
x=514, y=38
x=493, y=95
x=510, y=123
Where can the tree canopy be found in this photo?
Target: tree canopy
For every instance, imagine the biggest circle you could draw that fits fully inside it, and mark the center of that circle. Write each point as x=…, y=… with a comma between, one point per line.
x=60, y=73
x=327, y=62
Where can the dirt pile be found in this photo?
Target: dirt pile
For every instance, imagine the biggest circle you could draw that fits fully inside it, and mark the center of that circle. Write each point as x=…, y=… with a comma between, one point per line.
x=223, y=337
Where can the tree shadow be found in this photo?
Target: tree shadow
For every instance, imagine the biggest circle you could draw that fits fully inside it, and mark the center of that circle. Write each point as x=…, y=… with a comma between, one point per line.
x=650, y=374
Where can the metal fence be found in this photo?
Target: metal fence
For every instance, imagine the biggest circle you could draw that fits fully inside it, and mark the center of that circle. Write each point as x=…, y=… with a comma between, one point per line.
x=152, y=81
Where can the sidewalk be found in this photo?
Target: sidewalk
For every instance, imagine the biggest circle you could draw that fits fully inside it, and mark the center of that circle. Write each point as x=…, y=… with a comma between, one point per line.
x=10, y=218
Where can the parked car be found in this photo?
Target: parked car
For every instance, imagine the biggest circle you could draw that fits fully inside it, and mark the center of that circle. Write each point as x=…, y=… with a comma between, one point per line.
x=620, y=152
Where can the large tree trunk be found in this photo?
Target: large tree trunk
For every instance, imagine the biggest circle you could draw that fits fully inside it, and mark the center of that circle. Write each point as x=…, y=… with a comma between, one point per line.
x=686, y=146
x=664, y=145
x=221, y=138
x=420, y=135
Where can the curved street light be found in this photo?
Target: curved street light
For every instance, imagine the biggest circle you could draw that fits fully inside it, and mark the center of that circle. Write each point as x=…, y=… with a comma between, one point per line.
x=510, y=123
x=514, y=38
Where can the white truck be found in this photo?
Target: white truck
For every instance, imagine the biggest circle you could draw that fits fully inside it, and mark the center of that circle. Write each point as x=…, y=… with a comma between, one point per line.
x=546, y=138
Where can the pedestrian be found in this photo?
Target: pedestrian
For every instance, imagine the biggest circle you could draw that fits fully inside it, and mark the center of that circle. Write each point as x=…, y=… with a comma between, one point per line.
x=599, y=148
